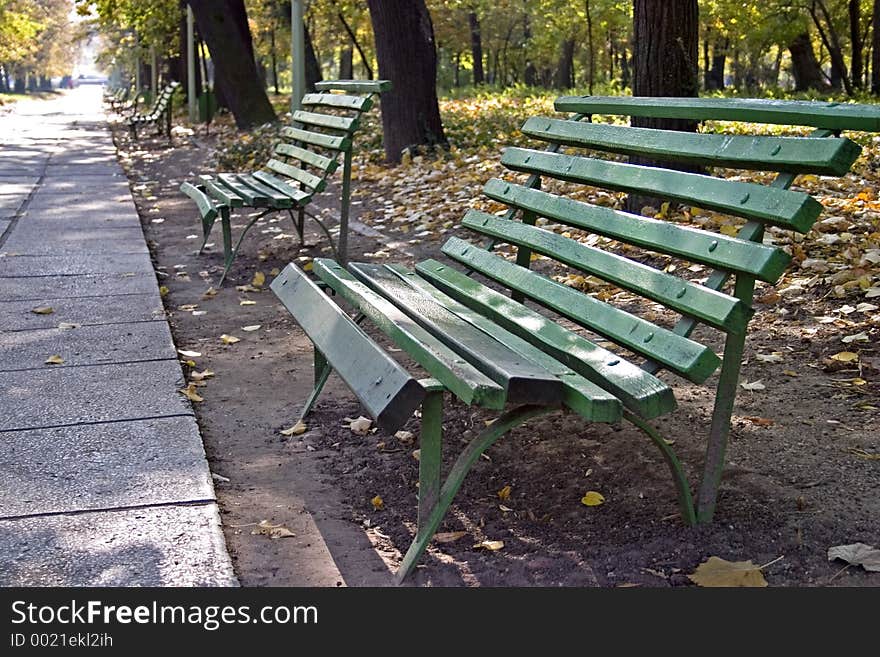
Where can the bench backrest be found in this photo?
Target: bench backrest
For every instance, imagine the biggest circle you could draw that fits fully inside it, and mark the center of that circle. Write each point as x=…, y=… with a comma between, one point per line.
x=322, y=130
x=602, y=247
x=162, y=100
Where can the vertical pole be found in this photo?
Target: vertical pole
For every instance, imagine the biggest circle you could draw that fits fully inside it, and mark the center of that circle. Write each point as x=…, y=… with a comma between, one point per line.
x=342, y=241
x=297, y=55
x=191, y=66
x=154, y=82
x=137, y=68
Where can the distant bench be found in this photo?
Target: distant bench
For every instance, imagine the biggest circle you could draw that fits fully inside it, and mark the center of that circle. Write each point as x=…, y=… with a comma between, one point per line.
x=491, y=350
x=159, y=113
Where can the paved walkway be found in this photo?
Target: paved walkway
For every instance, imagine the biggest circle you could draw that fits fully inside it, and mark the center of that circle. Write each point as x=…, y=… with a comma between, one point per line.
x=103, y=477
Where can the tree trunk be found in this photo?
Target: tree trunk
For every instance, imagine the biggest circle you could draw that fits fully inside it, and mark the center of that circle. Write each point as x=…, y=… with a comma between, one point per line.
x=346, y=63
x=592, y=50
x=456, y=78
x=855, y=35
x=407, y=57
x=875, y=50
x=351, y=35
x=274, y=57
x=476, y=48
x=564, y=78
x=224, y=27
x=19, y=85
x=829, y=36
x=313, y=68
x=804, y=66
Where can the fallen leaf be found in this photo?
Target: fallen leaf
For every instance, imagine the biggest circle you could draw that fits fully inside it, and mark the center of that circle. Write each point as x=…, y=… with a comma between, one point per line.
x=259, y=279
x=66, y=326
x=490, y=545
x=266, y=528
x=405, y=437
x=858, y=337
x=297, y=429
x=247, y=288
x=417, y=454
x=866, y=307
x=209, y=293
x=378, y=503
x=252, y=327
x=715, y=572
x=755, y=385
x=54, y=359
x=190, y=393
x=504, y=494
x=188, y=307
x=845, y=357
x=229, y=339
x=163, y=290
x=857, y=554
x=201, y=376
x=760, y=421
x=199, y=313
x=220, y=478
x=592, y=498
x=189, y=354
x=247, y=302
x=308, y=266
x=790, y=373
x=448, y=537
x=43, y=310
x=275, y=271
x=361, y=426
x=775, y=357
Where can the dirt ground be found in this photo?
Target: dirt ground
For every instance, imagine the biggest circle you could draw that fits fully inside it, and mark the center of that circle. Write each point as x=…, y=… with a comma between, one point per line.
x=802, y=474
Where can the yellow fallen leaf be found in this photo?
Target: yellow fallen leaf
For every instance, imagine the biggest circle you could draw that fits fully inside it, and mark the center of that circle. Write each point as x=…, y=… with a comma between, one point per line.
x=247, y=302
x=790, y=373
x=190, y=393
x=378, y=503
x=490, y=545
x=297, y=429
x=229, y=339
x=209, y=293
x=259, y=279
x=54, y=359
x=715, y=572
x=504, y=494
x=252, y=327
x=448, y=537
x=266, y=528
x=845, y=356
x=275, y=271
x=189, y=354
x=308, y=266
x=188, y=307
x=43, y=310
x=163, y=290
x=592, y=498
x=247, y=288
x=201, y=376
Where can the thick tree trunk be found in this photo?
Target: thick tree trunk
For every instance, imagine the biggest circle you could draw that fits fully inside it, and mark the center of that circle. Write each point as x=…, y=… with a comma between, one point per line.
x=313, y=68
x=828, y=33
x=564, y=77
x=856, y=45
x=224, y=27
x=407, y=57
x=875, y=50
x=476, y=48
x=346, y=63
x=804, y=66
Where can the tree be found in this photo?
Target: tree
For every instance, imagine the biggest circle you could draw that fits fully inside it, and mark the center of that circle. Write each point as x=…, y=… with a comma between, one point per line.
x=408, y=58
x=804, y=66
x=223, y=25
x=875, y=50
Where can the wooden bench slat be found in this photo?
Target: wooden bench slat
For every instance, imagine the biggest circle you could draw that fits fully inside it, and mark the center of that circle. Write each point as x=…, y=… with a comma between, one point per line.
x=770, y=205
x=714, y=308
x=354, y=86
x=338, y=101
x=310, y=180
x=221, y=192
x=639, y=391
x=522, y=380
x=251, y=196
x=207, y=207
x=692, y=360
x=325, y=164
x=299, y=196
x=386, y=390
x=330, y=142
x=276, y=198
x=461, y=378
x=832, y=156
x=717, y=250
x=341, y=123
x=579, y=394
x=832, y=116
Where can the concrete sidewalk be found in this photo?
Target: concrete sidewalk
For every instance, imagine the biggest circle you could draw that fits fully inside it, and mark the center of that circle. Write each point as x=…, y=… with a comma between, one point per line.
x=103, y=477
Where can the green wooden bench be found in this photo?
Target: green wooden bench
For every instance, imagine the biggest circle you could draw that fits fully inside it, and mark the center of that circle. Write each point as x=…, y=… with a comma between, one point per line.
x=493, y=350
x=159, y=111
x=302, y=163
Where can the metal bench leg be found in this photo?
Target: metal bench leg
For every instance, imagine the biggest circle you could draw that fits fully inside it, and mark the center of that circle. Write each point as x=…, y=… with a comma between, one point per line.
x=227, y=240
x=322, y=373
x=207, y=225
x=431, y=514
x=342, y=242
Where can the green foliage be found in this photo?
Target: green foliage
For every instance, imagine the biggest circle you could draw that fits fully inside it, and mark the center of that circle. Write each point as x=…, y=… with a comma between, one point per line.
x=36, y=37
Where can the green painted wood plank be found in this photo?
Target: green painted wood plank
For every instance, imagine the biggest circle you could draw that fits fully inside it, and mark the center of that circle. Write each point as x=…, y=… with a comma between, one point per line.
x=354, y=86
x=388, y=393
x=832, y=116
x=341, y=123
x=709, y=306
x=832, y=156
x=325, y=164
x=462, y=379
x=523, y=381
x=579, y=393
x=277, y=199
x=207, y=207
x=329, y=142
x=251, y=197
x=338, y=101
x=310, y=180
x=771, y=205
x=690, y=359
x=221, y=192
x=299, y=196
x=641, y=392
x=693, y=244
